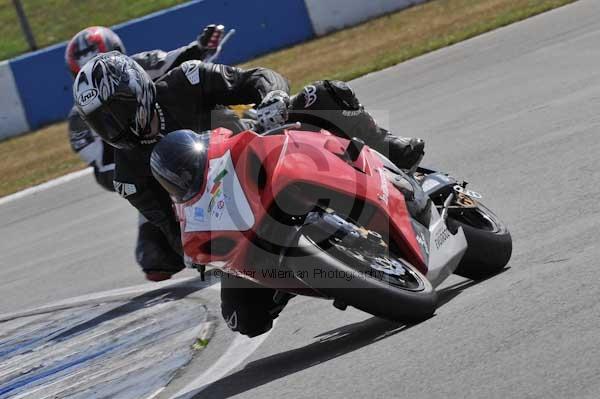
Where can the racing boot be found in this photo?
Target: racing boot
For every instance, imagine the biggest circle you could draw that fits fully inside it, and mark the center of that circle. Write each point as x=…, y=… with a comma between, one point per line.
x=153, y=253
x=249, y=308
x=404, y=152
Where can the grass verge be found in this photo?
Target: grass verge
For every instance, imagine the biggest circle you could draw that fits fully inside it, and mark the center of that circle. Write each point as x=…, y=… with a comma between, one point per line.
x=53, y=21
x=377, y=44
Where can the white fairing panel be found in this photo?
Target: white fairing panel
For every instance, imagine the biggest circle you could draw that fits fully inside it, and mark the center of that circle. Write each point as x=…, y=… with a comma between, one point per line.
x=223, y=206
x=445, y=249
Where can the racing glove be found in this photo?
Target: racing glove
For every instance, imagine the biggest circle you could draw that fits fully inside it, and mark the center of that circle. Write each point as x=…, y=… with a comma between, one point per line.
x=210, y=38
x=273, y=110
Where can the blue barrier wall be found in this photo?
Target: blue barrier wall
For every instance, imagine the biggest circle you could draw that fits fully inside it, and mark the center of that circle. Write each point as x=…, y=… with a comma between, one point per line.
x=36, y=87
x=44, y=83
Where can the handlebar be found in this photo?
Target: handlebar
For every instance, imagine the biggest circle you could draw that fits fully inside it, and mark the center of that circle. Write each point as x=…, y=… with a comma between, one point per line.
x=279, y=129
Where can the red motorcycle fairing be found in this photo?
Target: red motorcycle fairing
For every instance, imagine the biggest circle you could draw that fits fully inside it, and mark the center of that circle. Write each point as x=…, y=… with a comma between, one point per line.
x=267, y=166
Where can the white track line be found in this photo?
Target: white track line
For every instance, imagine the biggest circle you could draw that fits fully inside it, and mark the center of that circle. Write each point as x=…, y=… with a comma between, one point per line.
x=240, y=349
x=155, y=394
x=80, y=300
x=45, y=186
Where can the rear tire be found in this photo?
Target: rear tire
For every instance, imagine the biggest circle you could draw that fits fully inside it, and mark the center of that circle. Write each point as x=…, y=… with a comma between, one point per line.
x=489, y=242
x=342, y=275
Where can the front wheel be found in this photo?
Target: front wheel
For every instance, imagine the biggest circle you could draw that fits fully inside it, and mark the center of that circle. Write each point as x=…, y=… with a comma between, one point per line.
x=358, y=271
x=488, y=239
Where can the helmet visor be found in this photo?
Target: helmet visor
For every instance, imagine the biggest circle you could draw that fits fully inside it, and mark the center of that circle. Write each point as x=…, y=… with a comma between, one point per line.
x=114, y=121
x=179, y=161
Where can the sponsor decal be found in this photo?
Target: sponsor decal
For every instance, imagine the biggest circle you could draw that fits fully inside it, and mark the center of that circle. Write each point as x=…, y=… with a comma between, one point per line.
x=87, y=97
x=192, y=71
x=228, y=72
x=232, y=320
x=216, y=189
x=124, y=189
x=441, y=238
x=422, y=243
x=385, y=192
x=352, y=113
x=218, y=211
x=199, y=214
x=310, y=93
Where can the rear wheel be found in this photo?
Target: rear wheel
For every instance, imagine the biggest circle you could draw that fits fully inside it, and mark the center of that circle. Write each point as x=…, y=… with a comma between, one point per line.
x=489, y=241
x=353, y=266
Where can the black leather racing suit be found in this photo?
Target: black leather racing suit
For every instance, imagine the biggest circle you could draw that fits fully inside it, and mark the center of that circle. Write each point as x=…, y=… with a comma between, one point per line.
x=152, y=251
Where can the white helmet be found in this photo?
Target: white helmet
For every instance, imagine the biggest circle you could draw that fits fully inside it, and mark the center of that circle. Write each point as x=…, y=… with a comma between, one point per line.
x=116, y=98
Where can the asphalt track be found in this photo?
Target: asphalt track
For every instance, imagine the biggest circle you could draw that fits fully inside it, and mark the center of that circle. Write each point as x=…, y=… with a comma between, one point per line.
x=516, y=112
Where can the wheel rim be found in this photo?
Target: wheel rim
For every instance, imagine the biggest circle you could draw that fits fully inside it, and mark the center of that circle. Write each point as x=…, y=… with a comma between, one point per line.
x=380, y=266
x=362, y=250
x=476, y=218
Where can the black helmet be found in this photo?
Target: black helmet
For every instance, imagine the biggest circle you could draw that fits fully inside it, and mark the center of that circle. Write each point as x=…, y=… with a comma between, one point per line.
x=179, y=163
x=116, y=98
x=88, y=43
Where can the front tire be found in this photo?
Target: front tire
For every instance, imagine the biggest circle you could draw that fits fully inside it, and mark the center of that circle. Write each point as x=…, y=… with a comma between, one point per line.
x=488, y=239
x=380, y=284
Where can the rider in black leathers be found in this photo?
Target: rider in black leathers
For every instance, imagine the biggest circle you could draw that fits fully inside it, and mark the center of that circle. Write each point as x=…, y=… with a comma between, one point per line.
x=152, y=251
x=134, y=113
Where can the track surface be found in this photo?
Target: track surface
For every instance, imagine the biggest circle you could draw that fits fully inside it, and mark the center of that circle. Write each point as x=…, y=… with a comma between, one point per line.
x=516, y=112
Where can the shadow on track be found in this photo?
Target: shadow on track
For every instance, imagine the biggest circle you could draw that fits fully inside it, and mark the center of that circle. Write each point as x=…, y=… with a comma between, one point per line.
x=331, y=344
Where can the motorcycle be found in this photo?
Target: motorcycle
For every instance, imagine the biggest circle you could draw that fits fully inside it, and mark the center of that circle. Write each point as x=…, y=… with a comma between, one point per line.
x=310, y=213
